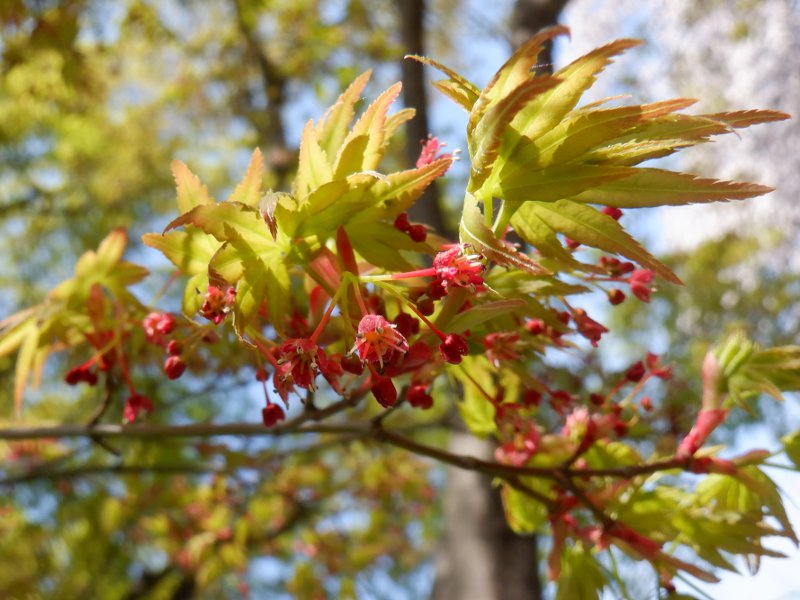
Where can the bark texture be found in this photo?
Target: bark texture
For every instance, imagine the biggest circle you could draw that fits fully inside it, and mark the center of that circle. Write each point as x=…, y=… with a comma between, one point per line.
x=479, y=556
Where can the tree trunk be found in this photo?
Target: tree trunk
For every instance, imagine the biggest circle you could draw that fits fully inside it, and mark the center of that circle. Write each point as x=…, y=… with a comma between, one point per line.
x=479, y=556
x=531, y=16
x=412, y=30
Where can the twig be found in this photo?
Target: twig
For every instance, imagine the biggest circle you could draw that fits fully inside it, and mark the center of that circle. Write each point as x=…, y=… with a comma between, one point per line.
x=107, y=396
x=82, y=471
x=177, y=431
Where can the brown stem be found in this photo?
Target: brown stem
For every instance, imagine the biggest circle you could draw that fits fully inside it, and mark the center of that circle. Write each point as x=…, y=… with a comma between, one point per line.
x=110, y=388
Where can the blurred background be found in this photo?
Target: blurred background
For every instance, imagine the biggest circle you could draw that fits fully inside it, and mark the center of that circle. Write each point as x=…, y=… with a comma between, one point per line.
x=98, y=96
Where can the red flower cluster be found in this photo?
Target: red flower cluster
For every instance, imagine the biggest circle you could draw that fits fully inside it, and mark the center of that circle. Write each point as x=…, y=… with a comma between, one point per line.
x=84, y=373
x=419, y=397
x=299, y=363
x=501, y=346
x=456, y=267
x=218, y=303
x=378, y=340
x=415, y=231
x=156, y=325
x=453, y=347
x=588, y=327
x=640, y=282
x=135, y=405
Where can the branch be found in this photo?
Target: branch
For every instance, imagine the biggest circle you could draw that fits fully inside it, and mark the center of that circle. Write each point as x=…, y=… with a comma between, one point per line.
x=469, y=463
x=177, y=431
x=301, y=425
x=98, y=414
x=85, y=470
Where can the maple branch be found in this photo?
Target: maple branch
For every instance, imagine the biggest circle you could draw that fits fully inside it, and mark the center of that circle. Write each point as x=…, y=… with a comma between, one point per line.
x=176, y=431
x=461, y=461
x=82, y=471
x=301, y=425
x=110, y=387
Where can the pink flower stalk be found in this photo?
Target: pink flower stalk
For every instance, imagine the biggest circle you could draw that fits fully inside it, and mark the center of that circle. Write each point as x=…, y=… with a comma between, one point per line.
x=707, y=421
x=430, y=149
x=217, y=304
x=501, y=346
x=456, y=267
x=640, y=282
x=648, y=548
x=378, y=340
x=135, y=405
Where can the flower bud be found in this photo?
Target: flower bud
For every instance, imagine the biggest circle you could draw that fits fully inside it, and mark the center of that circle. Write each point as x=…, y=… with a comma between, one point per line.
x=174, y=367
x=417, y=233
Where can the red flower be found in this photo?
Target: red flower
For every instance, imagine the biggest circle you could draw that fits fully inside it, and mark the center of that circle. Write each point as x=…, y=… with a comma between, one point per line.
x=419, y=397
x=613, y=212
x=377, y=340
x=406, y=325
x=135, y=405
x=353, y=365
x=156, y=325
x=656, y=368
x=531, y=398
x=300, y=361
x=217, y=304
x=453, y=348
x=640, y=281
x=83, y=372
x=430, y=148
x=455, y=267
x=501, y=346
x=520, y=449
x=635, y=372
x=561, y=400
x=272, y=414
x=588, y=327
